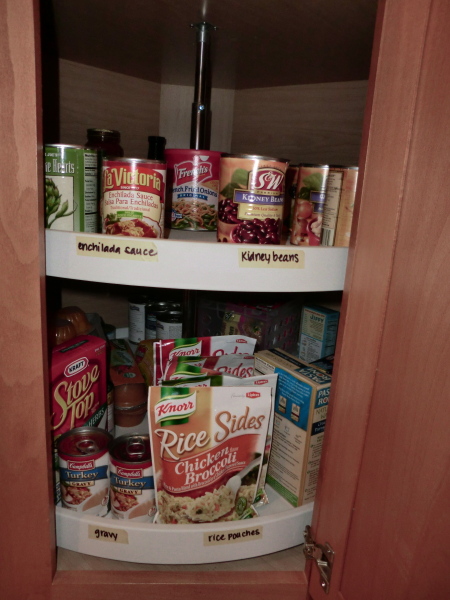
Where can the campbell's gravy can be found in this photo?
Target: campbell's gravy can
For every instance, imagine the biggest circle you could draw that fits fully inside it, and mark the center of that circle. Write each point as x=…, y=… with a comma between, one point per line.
x=132, y=202
x=132, y=486
x=71, y=190
x=252, y=196
x=84, y=470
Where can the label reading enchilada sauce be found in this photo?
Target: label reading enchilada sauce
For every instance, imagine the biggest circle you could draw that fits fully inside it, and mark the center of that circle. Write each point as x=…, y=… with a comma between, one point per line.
x=133, y=198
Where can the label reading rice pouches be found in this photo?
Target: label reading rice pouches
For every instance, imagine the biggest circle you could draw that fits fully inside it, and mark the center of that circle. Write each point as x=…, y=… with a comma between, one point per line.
x=207, y=447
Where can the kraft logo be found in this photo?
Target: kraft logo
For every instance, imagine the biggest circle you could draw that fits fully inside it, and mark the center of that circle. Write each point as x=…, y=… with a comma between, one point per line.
x=253, y=394
x=76, y=367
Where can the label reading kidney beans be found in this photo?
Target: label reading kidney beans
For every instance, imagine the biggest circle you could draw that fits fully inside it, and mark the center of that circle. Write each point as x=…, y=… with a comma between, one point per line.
x=251, y=199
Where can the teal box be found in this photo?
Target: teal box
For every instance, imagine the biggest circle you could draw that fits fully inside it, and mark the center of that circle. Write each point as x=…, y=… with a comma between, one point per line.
x=318, y=332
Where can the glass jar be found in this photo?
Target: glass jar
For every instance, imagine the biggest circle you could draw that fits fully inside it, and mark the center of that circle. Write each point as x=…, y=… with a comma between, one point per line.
x=107, y=141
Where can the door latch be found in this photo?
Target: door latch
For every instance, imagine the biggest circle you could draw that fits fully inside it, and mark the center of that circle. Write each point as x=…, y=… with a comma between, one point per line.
x=323, y=555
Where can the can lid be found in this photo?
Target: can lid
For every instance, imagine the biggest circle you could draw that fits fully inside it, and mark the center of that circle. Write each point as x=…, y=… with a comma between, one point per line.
x=104, y=132
x=132, y=161
x=131, y=448
x=255, y=157
x=84, y=441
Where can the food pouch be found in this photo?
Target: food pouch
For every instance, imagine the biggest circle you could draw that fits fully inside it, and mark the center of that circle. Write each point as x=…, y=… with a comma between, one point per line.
x=166, y=350
x=239, y=365
x=208, y=448
x=270, y=381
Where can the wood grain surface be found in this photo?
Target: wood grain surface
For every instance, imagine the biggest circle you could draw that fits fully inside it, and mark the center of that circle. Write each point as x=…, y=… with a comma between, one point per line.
x=92, y=97
x=316, y=123
x=27, y=521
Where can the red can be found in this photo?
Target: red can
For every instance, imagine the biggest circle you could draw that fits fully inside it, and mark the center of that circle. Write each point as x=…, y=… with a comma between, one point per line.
x=133, y=192
x=84, y=470
x=192, y=189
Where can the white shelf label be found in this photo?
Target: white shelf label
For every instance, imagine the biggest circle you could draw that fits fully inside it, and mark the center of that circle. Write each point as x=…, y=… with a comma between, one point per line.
x=233, y=536
x=272, y=258
x=108, y=534
x=123, y=248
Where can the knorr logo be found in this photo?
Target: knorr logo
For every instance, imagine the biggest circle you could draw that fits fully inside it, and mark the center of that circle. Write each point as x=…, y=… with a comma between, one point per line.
x=175, y=409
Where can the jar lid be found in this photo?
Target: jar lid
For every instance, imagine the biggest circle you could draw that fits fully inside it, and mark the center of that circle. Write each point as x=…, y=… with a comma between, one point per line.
x=104, y=132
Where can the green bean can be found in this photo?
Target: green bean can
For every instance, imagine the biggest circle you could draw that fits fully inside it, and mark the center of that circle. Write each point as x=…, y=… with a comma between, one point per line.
x=71, y=191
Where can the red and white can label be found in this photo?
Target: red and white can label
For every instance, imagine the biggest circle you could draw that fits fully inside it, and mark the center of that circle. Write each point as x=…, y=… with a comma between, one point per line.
x=85, y=478
x=193, y=189
x=133, y=192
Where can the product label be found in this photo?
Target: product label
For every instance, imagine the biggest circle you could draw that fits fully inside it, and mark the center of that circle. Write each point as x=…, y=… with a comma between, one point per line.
x=133, y=199
x=121, y=248
x=132, y=491
x=194, y=190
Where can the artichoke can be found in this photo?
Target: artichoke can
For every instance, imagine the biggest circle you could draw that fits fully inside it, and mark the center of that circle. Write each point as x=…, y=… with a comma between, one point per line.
x=71, y=191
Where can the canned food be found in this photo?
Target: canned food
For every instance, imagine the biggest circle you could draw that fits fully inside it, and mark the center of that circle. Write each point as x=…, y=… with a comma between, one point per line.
x=151, y=311
x=339, y=202
x=193, y=189
x=84, y=470
x=132, y=202
x=309, y=204
x=132, y=486
x=136, y=318
x=169, y=325
x=71, y=190
x=251, y=199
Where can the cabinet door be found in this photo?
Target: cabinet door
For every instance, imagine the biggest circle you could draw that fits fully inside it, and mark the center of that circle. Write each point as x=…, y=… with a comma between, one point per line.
x=384, y=488
x=27, y=538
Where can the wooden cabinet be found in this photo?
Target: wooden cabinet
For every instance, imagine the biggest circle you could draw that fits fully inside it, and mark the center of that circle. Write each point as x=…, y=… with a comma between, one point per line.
x=383, y=492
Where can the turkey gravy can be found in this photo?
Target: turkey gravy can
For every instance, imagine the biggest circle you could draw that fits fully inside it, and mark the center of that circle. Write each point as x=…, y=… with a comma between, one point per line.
x=84, y=470
x=251, y=199
x=132, y=487
x=132, y=202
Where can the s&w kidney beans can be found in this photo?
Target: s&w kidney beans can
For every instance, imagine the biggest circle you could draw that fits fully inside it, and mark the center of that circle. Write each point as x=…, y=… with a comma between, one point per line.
x=193, y=189
x=251, y=199
x=84, y=470
x=71, y=191
x=132, y=485
x=309, y=205
x=132, y=202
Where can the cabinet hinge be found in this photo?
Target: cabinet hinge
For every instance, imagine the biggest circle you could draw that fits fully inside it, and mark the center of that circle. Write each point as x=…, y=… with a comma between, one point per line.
x=323, y=555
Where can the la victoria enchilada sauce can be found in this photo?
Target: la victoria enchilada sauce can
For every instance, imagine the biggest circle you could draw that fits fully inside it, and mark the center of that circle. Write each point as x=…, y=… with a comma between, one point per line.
x=132, y=202
x=251, y=199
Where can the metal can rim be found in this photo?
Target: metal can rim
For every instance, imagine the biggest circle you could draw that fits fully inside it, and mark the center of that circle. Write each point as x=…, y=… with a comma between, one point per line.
x=122, y=439
x=128, y=160
x=87, y=429
x=255, y=157
x=69, y=147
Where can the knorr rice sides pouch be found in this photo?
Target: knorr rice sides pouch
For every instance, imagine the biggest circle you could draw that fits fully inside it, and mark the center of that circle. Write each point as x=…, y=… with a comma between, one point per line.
x=208, y=449
x=166, y=350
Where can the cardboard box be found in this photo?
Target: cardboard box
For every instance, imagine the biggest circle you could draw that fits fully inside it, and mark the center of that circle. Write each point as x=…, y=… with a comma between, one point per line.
x=318, y=332
x=78, y=389
x=301, y=404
